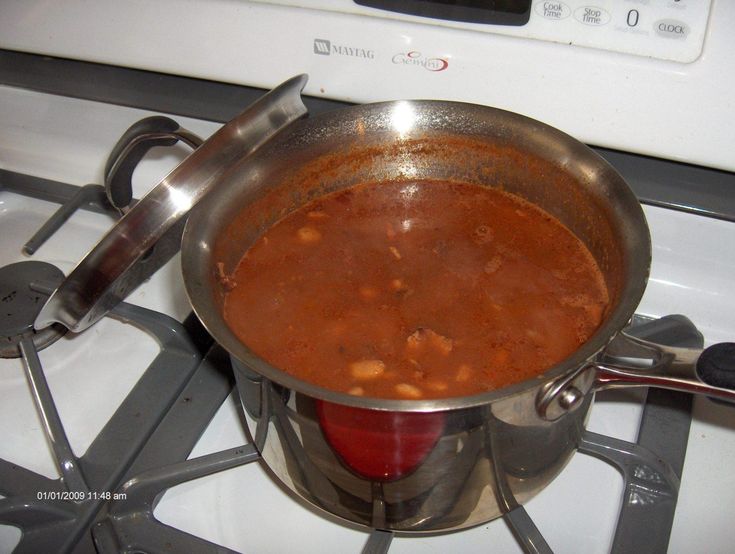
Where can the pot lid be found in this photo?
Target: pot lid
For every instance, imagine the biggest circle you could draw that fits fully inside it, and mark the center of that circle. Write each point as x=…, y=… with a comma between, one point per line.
x=149, y=234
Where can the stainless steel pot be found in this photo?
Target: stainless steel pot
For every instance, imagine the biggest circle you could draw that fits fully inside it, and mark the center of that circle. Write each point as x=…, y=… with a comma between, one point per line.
x=431, y=465
x=422, y=465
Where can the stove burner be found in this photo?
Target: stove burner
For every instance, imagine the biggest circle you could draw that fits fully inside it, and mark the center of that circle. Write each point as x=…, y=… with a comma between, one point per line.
x=20, y=303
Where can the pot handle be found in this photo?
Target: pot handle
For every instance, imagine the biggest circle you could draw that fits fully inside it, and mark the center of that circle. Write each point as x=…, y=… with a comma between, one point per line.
x=632, y=362
x=638, y=357
x=149, y=234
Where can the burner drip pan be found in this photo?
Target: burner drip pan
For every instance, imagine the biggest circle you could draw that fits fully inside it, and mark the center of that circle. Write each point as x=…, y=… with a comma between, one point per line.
x=22, y=296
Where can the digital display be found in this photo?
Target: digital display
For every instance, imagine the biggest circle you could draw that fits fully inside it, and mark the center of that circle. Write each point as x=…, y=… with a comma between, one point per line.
x=495, y=12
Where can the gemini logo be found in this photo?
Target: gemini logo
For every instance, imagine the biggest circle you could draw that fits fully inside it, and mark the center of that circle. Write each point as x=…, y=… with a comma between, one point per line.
x=324, y=47
x=417, y=59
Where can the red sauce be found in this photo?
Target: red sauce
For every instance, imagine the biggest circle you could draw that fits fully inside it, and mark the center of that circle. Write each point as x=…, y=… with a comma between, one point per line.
x=415, y=290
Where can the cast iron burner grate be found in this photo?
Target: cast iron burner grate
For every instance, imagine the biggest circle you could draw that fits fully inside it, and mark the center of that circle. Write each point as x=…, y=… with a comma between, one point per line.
x=56, y=515
x=142, y=450
x=23, y=287
x=644, y=524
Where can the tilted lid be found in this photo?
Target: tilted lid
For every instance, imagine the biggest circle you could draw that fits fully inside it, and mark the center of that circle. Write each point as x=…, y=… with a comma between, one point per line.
x=148, y=235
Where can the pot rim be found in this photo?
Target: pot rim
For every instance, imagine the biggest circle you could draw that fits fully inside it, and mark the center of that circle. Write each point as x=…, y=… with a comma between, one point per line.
x=636, y=274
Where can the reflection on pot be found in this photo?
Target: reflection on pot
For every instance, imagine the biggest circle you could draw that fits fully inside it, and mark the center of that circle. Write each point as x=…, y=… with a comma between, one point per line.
x=423, y=471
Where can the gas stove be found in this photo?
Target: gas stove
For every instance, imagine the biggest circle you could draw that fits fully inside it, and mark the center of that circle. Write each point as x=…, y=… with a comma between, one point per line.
x=149, y=451
x=129, y=412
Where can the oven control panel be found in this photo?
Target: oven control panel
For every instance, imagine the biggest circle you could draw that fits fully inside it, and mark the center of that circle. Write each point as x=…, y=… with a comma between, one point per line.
x=663, y=29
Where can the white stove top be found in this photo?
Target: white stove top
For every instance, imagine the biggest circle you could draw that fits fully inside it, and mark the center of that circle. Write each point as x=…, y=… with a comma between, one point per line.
x=244, y=508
